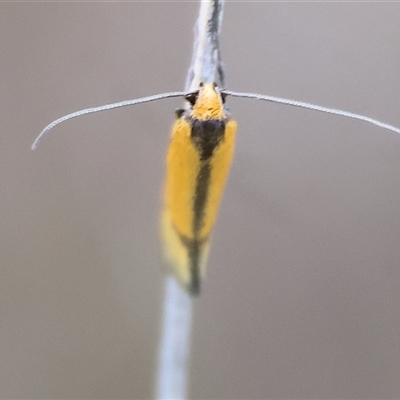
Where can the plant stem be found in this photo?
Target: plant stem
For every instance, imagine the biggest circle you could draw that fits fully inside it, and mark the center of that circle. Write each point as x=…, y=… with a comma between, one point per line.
x=174, y=350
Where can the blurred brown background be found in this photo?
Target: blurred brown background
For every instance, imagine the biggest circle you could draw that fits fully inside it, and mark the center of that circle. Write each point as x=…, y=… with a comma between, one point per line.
x=302, y=297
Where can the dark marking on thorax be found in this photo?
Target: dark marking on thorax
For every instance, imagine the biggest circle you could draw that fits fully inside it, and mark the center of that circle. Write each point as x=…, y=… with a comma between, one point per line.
x=206, y=136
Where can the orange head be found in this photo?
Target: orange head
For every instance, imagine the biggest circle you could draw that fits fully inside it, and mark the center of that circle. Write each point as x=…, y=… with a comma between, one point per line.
x=208, y=104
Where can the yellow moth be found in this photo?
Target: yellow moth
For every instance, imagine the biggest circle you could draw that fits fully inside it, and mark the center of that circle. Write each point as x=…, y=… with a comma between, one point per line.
x=198, y=161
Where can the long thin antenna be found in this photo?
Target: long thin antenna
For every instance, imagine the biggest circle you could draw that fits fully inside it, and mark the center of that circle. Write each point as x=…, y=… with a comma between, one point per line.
x=174, y=352
x=314, y=107
x=105, y=107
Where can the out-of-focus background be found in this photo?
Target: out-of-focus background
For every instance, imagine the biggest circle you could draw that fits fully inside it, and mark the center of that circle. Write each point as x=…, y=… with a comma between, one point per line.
x=302, y=295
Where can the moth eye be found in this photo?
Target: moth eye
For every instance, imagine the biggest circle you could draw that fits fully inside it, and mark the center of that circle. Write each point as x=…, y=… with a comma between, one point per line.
x=223, y=97
x=192, y=97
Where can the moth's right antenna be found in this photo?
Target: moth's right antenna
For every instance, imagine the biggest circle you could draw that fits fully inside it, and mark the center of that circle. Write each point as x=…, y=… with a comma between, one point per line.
x=314, y=107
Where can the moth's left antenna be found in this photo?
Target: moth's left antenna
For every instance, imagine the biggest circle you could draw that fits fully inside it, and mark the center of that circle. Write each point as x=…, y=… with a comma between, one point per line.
x=105, y=107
